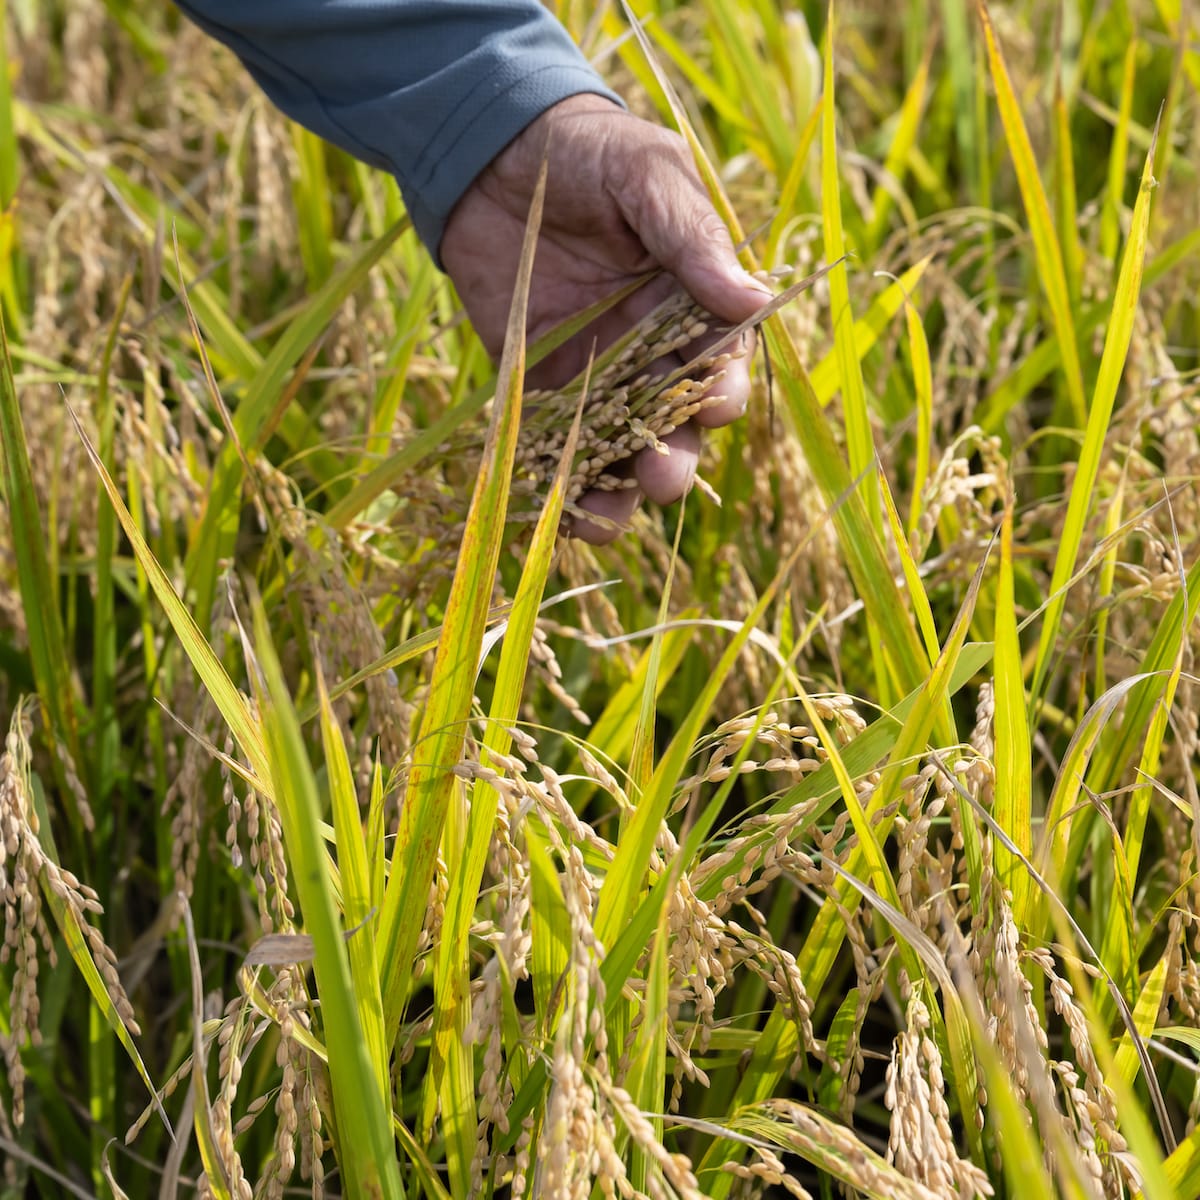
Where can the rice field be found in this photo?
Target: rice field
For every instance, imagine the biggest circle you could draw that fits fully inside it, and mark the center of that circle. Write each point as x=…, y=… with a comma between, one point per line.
x=835, y=831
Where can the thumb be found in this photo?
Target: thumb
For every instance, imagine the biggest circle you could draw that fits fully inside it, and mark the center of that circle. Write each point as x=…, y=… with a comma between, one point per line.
x=669, y=209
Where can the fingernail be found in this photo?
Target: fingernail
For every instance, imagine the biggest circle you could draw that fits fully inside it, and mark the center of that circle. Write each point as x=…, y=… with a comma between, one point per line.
x=749, y=281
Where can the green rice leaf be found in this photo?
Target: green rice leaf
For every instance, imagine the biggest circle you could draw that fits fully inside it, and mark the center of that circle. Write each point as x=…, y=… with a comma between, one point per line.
x=1114, y=196
x=430, y=783
x=358, y=903
x=38, y=587
x=368, y=1159
x=549, y=926
x=1112, y=366
x=753, y=83
x=860, y=447
x=1061, y=811
x=451, y=1079
x=1182, y=1167
x=648, y=1054
x=214, y=536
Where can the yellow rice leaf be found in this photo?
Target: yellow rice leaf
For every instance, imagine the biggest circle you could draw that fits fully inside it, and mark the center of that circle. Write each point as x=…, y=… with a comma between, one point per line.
x=233, y=708
x=1041, y=222
x=825, y=376
x=908, y=121
x=1145, y=1014
x=1012, y=806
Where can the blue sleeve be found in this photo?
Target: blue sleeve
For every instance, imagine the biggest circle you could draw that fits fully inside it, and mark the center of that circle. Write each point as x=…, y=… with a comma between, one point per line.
x=431, y=90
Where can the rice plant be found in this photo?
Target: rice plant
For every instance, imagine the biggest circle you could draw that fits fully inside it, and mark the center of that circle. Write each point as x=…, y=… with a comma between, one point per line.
x=832, y=831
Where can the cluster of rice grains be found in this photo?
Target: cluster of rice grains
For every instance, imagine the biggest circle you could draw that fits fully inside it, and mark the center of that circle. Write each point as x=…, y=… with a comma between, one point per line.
x=632, y=403
x=30, y=881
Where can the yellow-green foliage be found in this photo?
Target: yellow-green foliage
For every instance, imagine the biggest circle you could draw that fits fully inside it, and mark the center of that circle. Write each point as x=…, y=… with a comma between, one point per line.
x=360, y=835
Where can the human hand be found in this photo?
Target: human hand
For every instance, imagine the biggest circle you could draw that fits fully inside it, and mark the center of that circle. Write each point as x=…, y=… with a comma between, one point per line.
x=622, y=197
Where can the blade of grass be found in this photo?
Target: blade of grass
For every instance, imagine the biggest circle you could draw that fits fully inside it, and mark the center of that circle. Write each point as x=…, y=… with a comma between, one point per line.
x=1052, y=855
x=215, y=1174
x=826, y=375
x=368, y=1159
x=451, y=1078
x=922, y=370
x=38, y=588
x=375, y=840
x=1119, y=742
x=1118, y=948
x=104, y=651
x=1182, y=1167
x=859, y=539
x=451, y=686
x=410, y=317
x=753, y=84
x=1112, y=366
x=1066, y=200
x=1126, y=1063
x=859, y=443
x=1049, y=257
x=356, y=889
x=10, y=176
x=648, y=1054
x=908, y=121
x=1114, y=195
x=794, y=190
x=215, y=534
x=311, y=193
x=221, y=688
x=641, y=754
x=1012, y=805
x=960, y=64
x=549, y=928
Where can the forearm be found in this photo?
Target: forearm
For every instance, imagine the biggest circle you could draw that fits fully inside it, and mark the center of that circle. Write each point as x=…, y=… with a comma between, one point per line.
x=431, y=90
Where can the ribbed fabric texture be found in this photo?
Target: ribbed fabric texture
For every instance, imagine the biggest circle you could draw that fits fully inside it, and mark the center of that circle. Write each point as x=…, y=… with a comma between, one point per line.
x=431, y=90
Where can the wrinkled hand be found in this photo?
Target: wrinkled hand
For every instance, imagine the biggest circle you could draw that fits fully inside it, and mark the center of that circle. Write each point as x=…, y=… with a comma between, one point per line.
x=622, y=197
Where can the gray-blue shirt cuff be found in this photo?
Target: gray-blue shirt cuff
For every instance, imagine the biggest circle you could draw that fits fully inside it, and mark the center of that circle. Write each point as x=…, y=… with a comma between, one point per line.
x=431, y=90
